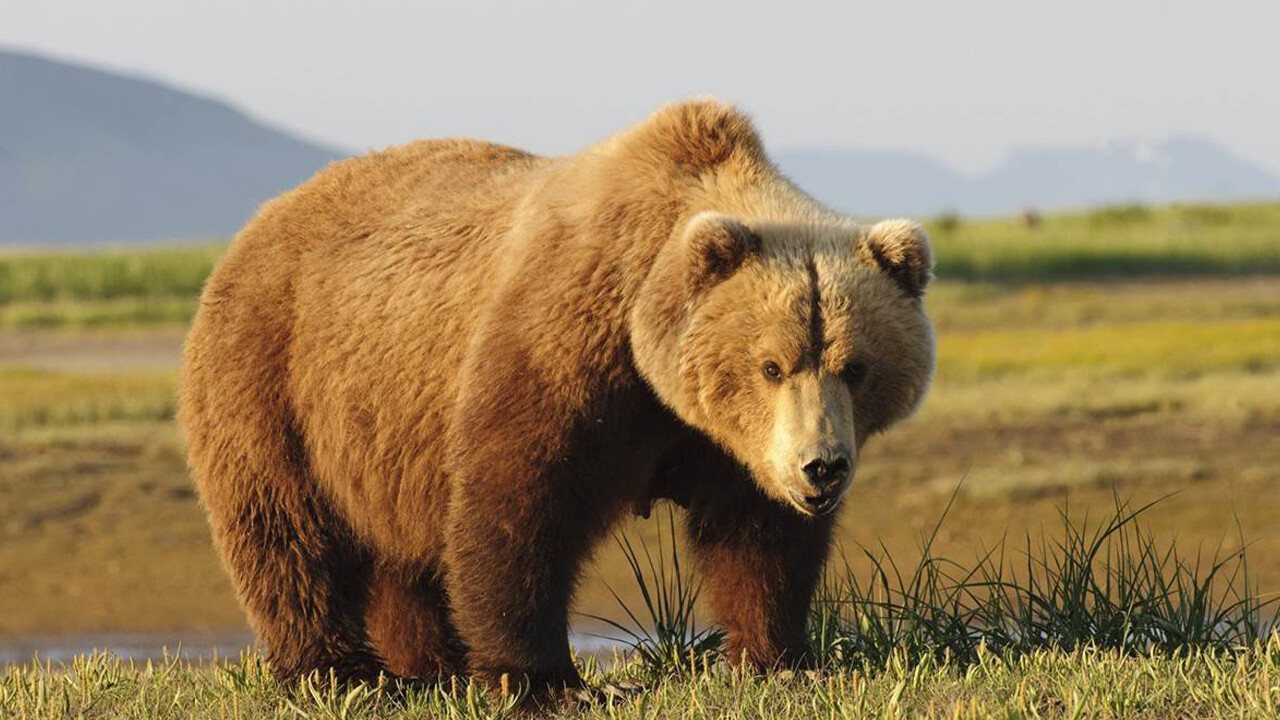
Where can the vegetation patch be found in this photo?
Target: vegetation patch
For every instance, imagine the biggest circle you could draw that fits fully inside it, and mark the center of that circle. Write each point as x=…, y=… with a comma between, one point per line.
x=105, y=275
x=1106, y=623
x=1117, y=242
x=35, y=398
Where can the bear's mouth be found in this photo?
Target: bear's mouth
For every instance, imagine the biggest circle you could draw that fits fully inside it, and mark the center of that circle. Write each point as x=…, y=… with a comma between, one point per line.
x=817, y=505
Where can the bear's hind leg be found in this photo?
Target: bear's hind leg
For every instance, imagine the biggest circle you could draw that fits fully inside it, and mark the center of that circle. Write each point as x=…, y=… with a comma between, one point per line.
x=303, y=589
x=407, y=620
x=300, y=575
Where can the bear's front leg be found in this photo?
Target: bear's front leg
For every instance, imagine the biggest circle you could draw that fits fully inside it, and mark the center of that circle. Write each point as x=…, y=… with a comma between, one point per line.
x=761, y=562
x=514, y=551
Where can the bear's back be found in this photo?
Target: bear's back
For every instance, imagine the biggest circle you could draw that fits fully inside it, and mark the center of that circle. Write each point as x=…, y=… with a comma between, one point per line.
x=352, y=296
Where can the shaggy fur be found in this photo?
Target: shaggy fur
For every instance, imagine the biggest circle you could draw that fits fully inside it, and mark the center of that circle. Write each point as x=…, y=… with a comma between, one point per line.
x=421, y=386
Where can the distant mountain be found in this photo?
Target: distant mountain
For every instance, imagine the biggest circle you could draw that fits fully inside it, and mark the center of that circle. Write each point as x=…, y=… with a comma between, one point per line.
x=91, y=156
x=88, y=156
x=879, y=182
x=874, y=182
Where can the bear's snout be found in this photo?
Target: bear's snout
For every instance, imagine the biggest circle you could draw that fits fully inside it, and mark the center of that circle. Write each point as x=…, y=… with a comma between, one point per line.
x=827, y=476
x=824, y=474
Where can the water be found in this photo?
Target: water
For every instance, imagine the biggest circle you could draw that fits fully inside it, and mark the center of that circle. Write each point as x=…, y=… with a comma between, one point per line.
x=188, y=647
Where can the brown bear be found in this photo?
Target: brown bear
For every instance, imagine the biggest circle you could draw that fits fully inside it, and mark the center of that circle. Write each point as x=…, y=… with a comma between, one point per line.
x=421, y=387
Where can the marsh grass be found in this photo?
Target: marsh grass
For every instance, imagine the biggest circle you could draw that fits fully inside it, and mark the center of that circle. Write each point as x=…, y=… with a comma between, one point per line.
x=664, y=634
x=1172, y=348
x=89, y=314
x=1108, y=585
x=86, y=288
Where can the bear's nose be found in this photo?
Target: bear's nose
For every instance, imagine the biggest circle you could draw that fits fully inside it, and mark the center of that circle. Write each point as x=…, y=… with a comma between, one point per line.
x=826, y=473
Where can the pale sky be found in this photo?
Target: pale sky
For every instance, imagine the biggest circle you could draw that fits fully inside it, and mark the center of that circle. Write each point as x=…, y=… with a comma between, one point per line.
x=961, y=81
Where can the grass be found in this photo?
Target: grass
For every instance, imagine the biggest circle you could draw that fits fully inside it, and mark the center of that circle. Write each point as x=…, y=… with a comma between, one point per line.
x=1084, y=683
x=152, y=286
x=176, y=272
x=1178, y=348
x=89, y=314
x=35, y=398
x=1133, y=241
x=967, y=306
x=1228, y=398
x=159, y=285
x=667, y=638
x=1109, y=585
x=1107, y=623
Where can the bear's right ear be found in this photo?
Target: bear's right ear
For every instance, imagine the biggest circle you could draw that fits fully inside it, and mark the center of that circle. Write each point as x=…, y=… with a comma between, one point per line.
x=716, y=245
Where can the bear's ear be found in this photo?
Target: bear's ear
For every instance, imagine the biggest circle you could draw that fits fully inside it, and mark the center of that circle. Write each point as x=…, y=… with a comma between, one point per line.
x=900, y=248
x=716, y=245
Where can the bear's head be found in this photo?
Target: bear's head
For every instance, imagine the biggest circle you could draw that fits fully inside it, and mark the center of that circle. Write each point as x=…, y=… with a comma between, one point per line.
x=788, y=343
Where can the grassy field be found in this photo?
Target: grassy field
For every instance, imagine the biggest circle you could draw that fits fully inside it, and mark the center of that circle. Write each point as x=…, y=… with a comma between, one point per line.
x=1083, y=683
x=1126, y=350
x=1115, y=242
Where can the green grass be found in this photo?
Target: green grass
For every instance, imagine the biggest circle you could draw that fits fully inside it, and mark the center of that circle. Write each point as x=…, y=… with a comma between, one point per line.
x=965, y=306
x=123, y=312
x=1084, y=683
x=664, y=636
x=103, y=288
x=1195, y=240
x=175, y=272
x=1109, y=585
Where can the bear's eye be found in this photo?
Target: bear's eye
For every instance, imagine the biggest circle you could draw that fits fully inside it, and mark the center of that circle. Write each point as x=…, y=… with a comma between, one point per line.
x=854, y=373
x=772, y=371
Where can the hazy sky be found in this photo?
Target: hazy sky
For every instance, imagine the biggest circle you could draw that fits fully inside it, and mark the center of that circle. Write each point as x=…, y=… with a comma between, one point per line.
x=963, y=81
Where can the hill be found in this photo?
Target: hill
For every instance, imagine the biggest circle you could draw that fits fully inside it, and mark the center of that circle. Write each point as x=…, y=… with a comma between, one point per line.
x=89, y=156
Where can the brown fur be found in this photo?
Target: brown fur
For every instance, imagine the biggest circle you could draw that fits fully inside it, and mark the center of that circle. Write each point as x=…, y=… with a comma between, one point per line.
x=420, y=387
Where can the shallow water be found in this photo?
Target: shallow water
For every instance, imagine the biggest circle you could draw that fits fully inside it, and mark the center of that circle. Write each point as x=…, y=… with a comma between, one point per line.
x=188, y=647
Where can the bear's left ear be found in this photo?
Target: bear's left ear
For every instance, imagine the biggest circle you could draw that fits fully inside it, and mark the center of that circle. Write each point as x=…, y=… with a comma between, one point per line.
x=900, y=248
x=716, y=245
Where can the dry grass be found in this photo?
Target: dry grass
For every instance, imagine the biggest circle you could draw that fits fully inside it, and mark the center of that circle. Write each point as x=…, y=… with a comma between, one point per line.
x=1168, y=348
